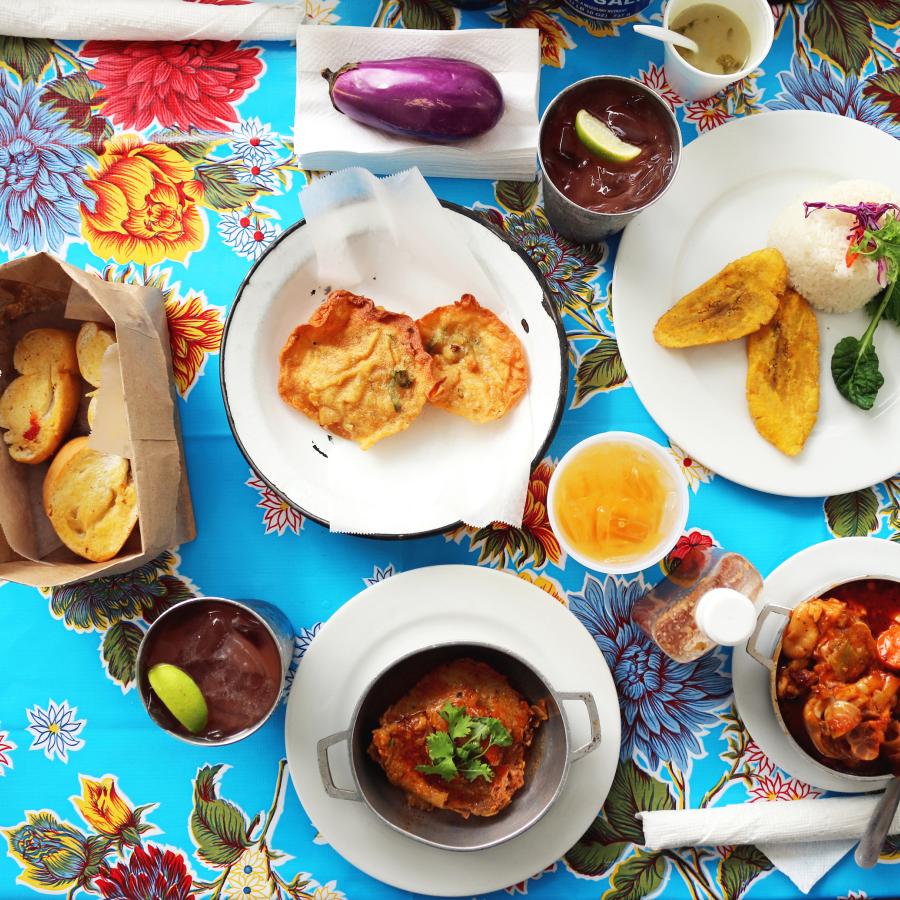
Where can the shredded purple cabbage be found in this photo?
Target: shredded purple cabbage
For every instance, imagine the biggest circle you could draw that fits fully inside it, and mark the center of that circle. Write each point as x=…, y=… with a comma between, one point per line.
x=868, y=218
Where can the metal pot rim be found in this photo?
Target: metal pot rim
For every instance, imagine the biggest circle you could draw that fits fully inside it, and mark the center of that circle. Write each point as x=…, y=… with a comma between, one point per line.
x=772, y=666
x=570, y=756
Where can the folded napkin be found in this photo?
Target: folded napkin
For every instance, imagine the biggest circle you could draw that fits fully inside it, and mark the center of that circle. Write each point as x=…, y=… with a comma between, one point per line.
x=150, y=20
x=389, y=239
x=802, y=838
x=325, y=139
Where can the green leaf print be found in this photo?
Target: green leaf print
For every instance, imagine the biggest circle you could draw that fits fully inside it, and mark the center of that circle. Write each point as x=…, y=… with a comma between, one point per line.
x=218, y=827
x=738, y=870
x=28, y=57
x=840, y=32
x=600, y=369
x=119, y=651
x=599, y=848
x=884, y=90
x=221, y=187
x=637, y=877
x=432, y=15
x=852, y=515
x=516, y=196
x=632, y=791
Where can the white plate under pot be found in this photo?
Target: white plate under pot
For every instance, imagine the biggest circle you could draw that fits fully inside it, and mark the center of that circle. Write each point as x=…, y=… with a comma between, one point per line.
x=403, y=614
x=731, y=184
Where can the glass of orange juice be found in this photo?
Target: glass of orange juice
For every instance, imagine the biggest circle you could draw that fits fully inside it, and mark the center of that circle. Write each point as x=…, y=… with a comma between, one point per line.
x=617, y=502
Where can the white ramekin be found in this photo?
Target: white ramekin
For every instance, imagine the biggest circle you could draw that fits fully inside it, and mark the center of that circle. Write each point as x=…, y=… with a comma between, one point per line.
x=666, y=542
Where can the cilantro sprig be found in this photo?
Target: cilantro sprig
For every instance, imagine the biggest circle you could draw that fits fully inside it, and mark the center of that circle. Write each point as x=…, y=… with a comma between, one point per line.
x=854, y=363
x=459, y=749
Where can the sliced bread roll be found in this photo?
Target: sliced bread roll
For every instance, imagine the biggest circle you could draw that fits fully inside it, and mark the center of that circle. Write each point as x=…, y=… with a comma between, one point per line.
x=93, y=339
x=39, y=407
x=90, y=499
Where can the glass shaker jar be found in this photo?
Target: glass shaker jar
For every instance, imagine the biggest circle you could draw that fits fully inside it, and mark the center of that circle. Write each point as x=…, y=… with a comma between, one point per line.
x=705, y=601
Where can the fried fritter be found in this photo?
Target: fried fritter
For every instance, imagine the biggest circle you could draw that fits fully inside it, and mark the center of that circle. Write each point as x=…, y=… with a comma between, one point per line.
x=358, y=370
x=783, y=375
x=734, y=303
x=479, y=364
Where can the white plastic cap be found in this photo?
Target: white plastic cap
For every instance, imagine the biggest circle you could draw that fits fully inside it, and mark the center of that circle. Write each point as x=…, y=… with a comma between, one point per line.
x=725, y=616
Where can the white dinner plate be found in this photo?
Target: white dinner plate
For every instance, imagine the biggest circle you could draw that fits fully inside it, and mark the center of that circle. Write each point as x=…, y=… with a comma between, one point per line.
x=804, y=575
x=731, y=183
x=405, y=613
x=289, y=451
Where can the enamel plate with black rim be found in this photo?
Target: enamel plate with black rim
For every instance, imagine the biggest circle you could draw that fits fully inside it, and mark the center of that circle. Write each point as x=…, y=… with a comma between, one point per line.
x=732, y=183
x=290, y=452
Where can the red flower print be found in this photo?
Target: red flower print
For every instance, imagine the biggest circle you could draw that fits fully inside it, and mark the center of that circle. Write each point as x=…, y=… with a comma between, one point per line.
x=279, y=516
x=706, y=114
x=149, y=874
x=195, y=330
x=774, y=787
x=186, y=84
x=757, y=759
x=6, y=745
x=655, y=79
x=688, y=554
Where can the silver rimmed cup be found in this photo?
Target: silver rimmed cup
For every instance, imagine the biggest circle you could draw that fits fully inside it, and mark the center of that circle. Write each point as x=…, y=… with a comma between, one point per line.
x=272, y=619
x=587, y=226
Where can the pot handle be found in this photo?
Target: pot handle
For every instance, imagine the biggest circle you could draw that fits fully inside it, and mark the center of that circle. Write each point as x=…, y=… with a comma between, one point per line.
x=325, y=768
x=593, y=717
x=767, y=660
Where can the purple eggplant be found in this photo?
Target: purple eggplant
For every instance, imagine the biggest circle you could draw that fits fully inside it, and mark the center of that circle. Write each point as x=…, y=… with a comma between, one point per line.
x=422, y=97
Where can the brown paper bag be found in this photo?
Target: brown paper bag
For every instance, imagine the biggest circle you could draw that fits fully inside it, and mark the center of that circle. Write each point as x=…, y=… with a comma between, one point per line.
x=40, y=291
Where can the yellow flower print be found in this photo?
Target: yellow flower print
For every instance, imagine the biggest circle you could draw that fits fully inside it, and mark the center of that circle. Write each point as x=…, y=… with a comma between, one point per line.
x=250, y=877
x=549, y=585
x=103, y=808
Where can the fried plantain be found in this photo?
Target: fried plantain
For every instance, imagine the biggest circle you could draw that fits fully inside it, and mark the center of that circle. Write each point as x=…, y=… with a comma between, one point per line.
x=783, y=375
x=738, y=301
x=358, y=370
x=479, y=364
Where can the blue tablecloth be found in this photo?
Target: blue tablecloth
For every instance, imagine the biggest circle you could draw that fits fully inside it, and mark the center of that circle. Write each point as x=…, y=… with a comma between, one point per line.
x=90, y=168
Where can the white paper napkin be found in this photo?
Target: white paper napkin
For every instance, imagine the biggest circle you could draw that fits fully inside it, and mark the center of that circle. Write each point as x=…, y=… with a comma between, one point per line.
x=802, y=838
x=150, y=20
x=325, y=139
x=390, y=240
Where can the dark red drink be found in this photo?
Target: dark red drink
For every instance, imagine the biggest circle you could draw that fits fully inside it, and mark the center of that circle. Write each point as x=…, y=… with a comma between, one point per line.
x=230, y=654
x=633, y=114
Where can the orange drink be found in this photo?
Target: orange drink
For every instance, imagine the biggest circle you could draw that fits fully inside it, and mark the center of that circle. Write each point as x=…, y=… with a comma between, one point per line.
x=617, y=502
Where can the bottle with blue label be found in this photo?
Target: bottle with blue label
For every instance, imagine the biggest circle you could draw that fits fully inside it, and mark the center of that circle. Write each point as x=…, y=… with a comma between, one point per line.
x=607, y=10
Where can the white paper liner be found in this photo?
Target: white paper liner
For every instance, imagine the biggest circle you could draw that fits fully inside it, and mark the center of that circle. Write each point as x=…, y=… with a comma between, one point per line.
x=392, y=241
x=327, y=139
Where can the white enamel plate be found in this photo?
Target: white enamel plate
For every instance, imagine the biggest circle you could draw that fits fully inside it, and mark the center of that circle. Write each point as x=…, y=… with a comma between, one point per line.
x=731, y=184
x=289, y=451
x=399, y=616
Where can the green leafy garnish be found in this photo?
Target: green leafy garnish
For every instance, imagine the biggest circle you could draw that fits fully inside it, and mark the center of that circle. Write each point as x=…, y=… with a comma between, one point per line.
x=854, y=363
x=478, y=734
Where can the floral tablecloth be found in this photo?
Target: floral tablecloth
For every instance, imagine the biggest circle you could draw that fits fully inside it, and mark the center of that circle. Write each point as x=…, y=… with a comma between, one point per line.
x=171, y=164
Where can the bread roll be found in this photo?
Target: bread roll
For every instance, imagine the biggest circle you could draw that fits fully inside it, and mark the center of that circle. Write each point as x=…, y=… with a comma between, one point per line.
x=90, y=499
x=39, y=407
x=93, y=339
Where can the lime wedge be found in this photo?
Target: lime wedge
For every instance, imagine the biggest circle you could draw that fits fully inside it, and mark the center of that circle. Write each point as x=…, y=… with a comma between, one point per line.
x=180, y=694
x=601, y=140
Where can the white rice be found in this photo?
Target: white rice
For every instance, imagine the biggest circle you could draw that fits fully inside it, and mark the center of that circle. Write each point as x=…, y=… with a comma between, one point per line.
x=815, y=247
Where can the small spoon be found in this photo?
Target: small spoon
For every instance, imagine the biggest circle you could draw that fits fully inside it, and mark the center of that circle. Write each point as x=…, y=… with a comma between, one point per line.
x=667, y=35
x=869, y=848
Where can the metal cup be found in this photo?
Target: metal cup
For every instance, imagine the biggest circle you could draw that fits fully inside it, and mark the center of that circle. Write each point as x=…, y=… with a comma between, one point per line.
x=271, y=618
x=587, y=226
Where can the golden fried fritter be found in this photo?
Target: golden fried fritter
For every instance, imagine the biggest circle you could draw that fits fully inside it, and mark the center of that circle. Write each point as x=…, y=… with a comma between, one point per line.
x=736, y=302
x=783, y=375
x=358, y=370
x=479, y=364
